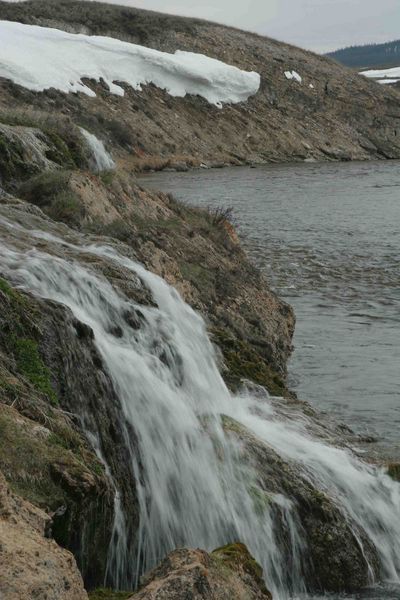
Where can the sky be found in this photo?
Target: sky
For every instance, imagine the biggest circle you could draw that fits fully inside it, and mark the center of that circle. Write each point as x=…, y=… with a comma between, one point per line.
x=319, y=25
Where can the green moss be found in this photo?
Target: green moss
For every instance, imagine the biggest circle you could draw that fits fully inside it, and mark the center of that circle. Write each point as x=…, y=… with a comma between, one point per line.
x=9, y=390
x=30, y=364
x=107, y=594
x=17, y=299
x=261, y=499
x=394, y=471
x=118, y=229
x=18, y=340
x=66, y=207
x=5, y=287
x=237, y=557
x=243, y=362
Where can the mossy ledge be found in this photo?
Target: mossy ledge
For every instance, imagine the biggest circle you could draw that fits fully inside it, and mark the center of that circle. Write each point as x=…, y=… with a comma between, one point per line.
x=43, y=455
x=243, y=362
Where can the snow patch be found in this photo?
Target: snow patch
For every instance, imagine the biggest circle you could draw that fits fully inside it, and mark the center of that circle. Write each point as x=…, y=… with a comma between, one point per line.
x=293, y=75
x=101, y=160
x=383, y=76
x=386, y=81
x=40, y=58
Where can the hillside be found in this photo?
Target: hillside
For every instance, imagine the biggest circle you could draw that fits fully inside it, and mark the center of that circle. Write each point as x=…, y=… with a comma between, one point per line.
x=369, y=55
x=330, y=114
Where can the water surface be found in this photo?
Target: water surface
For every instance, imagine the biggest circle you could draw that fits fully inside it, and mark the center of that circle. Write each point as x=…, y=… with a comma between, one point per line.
x=327, y=237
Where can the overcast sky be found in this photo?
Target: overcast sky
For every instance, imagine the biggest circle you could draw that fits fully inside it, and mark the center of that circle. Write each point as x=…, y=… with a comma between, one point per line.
x=319, y=25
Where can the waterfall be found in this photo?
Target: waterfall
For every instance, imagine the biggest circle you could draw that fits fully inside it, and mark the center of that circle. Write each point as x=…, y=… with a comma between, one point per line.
x=194, y=483
x=100, y=159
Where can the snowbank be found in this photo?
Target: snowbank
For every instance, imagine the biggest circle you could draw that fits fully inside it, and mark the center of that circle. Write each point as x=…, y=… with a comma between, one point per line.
x=383, y=75
x=39, y=58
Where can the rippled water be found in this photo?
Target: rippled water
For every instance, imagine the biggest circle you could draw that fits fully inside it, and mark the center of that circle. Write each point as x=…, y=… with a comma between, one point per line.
x=328, y=238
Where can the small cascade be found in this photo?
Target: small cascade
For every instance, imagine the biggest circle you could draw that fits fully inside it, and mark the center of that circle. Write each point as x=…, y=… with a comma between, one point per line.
x=197, y=485
x=100, y=159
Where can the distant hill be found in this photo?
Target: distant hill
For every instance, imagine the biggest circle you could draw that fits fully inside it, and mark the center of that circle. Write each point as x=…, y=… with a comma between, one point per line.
x=308, y=107
x=371, y=55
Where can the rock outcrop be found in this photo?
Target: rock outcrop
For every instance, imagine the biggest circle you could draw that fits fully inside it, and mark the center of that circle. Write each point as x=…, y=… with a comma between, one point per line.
x=326, y=531
x=229, y=572
x=31, y=565
x=44, y=453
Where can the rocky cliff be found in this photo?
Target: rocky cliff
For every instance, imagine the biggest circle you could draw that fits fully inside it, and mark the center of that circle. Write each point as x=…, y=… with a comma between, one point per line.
x=54, y=388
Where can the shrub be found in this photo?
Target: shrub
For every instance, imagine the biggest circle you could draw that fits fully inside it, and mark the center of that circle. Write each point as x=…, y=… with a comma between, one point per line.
x=50, y=192
x=219, y=215
x=118, y=229
x=120, y=132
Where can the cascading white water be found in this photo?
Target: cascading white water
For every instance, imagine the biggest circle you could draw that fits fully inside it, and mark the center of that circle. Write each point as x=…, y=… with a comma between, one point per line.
x=101, y=160
x=195, y=487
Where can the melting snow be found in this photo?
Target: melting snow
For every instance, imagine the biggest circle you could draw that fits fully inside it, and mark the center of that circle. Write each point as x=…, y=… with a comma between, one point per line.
x=383, y=76
x=293, y=75
x=386, y=81
x=39, y=58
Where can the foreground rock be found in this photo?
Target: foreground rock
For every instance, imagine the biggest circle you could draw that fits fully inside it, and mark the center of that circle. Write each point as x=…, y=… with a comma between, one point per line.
x=44, y=456
x=32, y=566
x=227, y=573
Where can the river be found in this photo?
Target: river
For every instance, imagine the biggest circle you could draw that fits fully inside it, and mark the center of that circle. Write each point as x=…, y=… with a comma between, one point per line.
x=327, y=237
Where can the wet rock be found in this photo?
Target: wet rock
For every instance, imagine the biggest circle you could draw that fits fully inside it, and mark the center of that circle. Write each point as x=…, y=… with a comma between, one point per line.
x=332, y=559
x=44, y=453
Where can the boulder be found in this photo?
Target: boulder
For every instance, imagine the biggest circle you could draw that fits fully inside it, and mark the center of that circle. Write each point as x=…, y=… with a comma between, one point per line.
x=228, y=572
